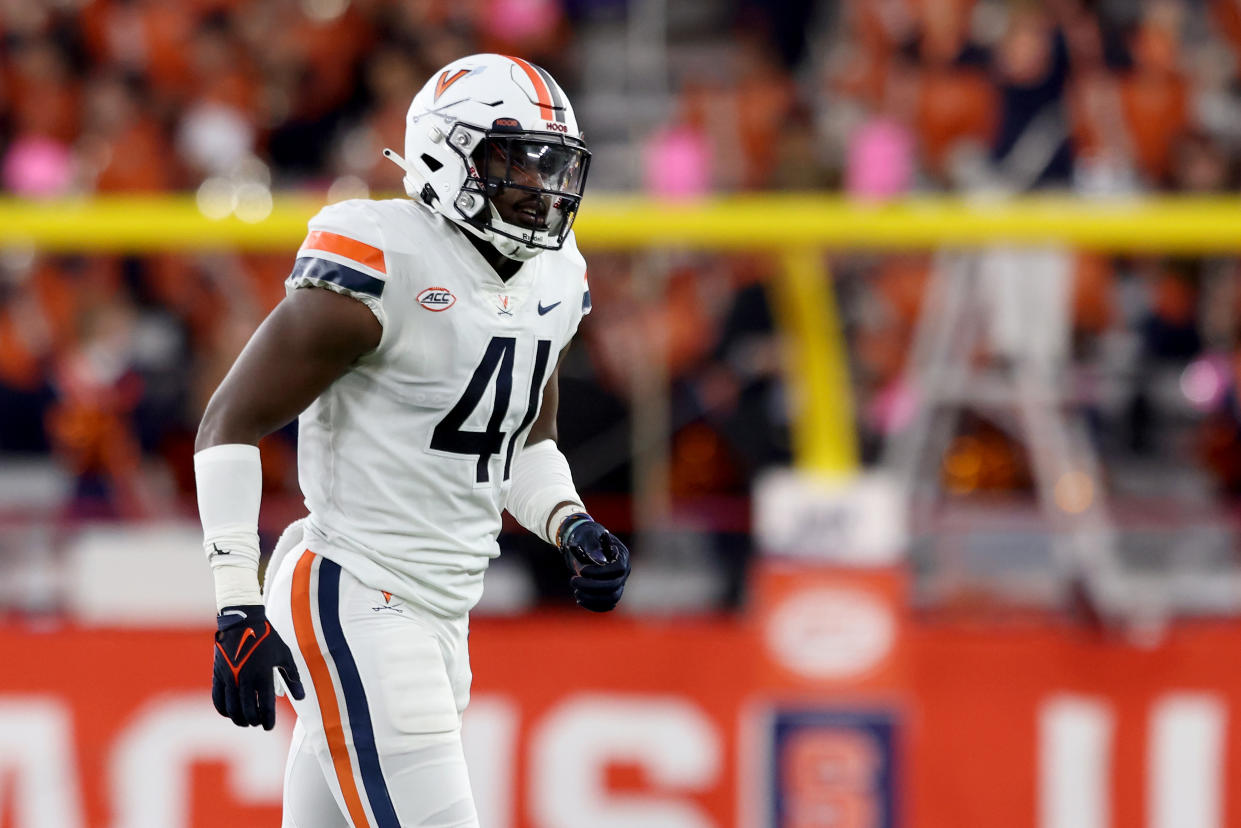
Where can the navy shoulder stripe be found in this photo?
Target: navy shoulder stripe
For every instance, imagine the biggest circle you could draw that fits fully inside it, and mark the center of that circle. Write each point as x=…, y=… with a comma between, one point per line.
x=323, y=270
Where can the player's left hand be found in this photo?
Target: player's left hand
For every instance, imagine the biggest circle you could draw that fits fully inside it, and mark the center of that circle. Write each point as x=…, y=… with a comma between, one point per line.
x=598, y=560
x=247, y=652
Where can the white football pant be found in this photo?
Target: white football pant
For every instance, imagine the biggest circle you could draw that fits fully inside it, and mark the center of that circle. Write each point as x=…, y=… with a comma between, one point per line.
x=378, y=738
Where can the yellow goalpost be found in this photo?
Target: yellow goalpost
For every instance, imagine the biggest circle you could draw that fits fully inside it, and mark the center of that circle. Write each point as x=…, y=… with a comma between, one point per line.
x=795, y=227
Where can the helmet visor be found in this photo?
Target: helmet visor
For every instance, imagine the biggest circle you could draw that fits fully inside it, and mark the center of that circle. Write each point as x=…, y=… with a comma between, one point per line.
x=531, y=184
x=552, y=168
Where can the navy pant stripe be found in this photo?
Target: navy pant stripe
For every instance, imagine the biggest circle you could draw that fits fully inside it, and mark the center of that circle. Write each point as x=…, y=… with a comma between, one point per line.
x=355, y=697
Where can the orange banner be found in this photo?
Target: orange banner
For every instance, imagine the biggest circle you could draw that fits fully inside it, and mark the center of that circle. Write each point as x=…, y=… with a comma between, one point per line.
x=825, y=706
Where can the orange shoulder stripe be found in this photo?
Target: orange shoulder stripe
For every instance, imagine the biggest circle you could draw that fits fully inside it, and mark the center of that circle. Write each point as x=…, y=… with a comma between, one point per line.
x=360, y=252
x=321, y=678
x=540, y=88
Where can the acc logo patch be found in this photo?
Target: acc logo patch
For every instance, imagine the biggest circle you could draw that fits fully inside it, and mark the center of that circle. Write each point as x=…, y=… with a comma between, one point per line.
x=436, y=299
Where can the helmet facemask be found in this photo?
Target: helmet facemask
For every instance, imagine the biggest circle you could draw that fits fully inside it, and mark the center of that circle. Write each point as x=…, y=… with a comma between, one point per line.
x=492, y=145
x=522, y=189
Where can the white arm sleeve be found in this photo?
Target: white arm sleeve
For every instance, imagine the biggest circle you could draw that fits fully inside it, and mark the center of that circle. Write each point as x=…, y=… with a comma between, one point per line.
x=230, y=485
x=542, y=481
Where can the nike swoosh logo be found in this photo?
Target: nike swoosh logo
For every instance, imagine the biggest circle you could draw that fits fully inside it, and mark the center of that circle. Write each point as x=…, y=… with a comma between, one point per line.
x=234, y=612
x=544, y=310
x=219, y=551
x=238, y=661
x=245, y=636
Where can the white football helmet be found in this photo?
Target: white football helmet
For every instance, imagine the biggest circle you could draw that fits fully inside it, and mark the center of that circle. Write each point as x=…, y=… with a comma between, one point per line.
x=489, y=132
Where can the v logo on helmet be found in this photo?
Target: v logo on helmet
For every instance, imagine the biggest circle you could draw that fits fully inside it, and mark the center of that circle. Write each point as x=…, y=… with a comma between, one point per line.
x=444, y=81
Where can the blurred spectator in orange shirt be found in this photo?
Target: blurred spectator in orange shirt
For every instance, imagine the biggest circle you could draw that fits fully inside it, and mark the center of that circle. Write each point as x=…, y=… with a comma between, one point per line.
x=391, y=82
x=1154, y=92
x=142, y=38
x=216, y=131
x=765, y=97
x=123, y=148
x=944, y=68
x=1199, y=164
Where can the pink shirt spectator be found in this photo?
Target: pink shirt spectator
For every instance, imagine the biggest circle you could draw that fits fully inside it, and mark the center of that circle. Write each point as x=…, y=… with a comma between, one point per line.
x=37, y=167
x=879, y=163
x=677, y=163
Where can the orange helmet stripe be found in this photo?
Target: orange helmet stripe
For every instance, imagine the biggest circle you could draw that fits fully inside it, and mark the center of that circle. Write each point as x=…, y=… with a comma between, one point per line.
x=540, y=88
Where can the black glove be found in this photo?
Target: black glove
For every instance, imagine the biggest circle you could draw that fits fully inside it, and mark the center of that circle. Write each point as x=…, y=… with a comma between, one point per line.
x=598, y=560
x=246, y=651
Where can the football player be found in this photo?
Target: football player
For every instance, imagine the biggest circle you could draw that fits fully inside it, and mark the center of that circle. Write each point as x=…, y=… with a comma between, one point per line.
x=419, y=342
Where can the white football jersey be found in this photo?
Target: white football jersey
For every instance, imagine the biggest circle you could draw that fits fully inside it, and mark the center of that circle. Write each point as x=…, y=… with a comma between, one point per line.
x=405, y=460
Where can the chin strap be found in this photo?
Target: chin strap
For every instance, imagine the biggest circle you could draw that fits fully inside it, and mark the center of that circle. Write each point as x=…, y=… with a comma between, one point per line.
x=518, y=251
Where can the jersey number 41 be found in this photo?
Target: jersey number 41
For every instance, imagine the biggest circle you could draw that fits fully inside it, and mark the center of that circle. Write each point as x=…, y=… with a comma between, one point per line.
x=497, y=364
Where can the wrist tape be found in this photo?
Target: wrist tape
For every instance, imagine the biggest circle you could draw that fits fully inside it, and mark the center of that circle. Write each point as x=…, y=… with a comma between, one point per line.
x=230, y=486
x=541, y=483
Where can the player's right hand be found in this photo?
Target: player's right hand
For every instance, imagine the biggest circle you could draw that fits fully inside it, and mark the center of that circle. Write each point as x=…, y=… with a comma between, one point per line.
x=598, y=560
x=247, y=650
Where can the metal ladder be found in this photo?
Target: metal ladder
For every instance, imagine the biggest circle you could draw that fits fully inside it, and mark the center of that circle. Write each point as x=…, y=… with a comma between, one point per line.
x=1020, y=385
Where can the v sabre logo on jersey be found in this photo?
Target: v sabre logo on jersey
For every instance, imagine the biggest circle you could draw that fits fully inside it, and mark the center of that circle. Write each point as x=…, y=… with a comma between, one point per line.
x=387, y=604
x=506, y=303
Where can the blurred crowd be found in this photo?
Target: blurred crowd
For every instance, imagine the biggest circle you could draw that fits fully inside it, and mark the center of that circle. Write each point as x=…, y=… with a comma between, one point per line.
x=991, y=98
x=877, y=97
x=884, y=97
x=139, y=95
x=106, y=362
